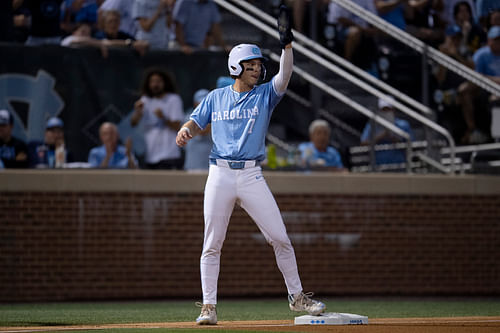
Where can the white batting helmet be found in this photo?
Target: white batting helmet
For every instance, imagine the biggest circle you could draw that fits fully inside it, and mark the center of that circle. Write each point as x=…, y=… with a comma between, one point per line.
x=241, y=53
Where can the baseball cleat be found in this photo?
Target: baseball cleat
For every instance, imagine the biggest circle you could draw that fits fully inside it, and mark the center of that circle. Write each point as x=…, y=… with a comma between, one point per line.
x=208, y=315
x=303, y=302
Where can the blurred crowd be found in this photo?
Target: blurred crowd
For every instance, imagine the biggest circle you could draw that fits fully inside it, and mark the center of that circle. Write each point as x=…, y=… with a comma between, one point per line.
x=139, y=24
x=466, y=30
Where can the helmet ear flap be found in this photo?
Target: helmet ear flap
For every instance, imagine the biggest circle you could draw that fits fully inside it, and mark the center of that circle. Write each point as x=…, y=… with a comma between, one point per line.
x=239, y=69
x=236, y=69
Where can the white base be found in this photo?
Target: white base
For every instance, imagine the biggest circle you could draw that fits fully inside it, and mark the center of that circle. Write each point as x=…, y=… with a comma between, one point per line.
x=332, y=318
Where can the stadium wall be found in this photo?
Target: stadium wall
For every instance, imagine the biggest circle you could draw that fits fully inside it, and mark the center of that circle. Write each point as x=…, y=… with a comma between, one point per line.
x=90, y=234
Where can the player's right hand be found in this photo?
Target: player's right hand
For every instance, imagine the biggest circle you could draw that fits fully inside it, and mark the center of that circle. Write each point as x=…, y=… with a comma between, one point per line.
x=183, y=136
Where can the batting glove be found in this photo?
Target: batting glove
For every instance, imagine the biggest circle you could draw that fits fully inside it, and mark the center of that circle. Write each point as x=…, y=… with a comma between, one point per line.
x=285, y=26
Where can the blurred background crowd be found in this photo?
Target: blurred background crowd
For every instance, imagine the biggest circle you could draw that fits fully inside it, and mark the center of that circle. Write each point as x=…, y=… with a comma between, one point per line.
x=468, y=31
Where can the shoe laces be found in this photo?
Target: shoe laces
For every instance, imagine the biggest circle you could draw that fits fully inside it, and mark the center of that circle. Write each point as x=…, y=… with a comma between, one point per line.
x=206, y=309
x=305, y=298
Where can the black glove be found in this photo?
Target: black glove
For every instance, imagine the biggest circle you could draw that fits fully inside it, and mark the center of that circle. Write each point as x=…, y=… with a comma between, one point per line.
x=285, y=26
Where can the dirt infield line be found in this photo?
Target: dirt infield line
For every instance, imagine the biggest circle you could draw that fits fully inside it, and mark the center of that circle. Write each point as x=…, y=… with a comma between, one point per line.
x=376, y=325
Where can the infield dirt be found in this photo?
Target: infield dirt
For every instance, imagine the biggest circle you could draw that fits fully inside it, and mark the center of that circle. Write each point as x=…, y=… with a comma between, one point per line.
x=376, y=325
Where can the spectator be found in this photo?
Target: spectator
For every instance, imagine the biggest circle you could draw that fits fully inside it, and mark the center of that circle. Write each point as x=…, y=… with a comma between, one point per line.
x=383, y=136
x=155, y=22
x=393, y=11
x=7, y=8
x=81, y=37
x=13, y=152
x=111, y=155
x=45, y=21
x=42, y=154
x=160, y=109
x=74, y=12
x=198, y=149
x=111, y=33
x=111, y=27
x=354, y=32
x=317, y=153
x=473, y=37
x=197, y=25
x=484, y=8
x=493, y=19
x=21, y=22
x=425, y=21
x=487, y=62
x=454, y=47
x=127, y=24
x=447, y=82
x=416, y=17
x=449, y=8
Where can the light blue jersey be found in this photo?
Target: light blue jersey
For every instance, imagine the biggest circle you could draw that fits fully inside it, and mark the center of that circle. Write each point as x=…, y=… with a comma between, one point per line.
x=239, y=121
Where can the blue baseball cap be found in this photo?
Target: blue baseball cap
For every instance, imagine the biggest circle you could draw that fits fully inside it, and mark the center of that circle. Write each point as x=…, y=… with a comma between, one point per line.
x=199, y=95
x=453, y=30
x=5, y=117
x=494, y=32
x=224, y=81
x=54, y=122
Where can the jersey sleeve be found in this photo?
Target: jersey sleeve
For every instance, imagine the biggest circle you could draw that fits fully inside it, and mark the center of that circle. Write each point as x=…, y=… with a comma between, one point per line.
x=274, y=96
x=203, y=112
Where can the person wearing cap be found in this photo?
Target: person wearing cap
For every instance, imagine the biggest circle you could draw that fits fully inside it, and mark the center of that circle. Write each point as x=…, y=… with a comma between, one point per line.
x=453, y=46
x=383, y=136
x=112, y=155
x=224, y=81
x=198, y=149
x=486, y=62
x=42, y=154
x=317, y=153
x=13, y=152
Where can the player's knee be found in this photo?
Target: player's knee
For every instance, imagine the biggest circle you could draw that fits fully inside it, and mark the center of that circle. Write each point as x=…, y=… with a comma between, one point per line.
x=282, y=243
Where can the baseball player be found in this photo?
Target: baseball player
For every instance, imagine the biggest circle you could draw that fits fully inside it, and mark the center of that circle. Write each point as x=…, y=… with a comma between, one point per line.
x=239, y=116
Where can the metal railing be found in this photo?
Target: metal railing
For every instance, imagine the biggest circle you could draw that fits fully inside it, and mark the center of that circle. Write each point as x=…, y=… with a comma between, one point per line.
x=416, y=44
x=322, y=112
x=321, y=85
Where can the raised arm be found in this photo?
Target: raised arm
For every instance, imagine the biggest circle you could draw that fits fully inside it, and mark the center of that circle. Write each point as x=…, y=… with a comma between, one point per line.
x=285, y=72
x=286, y=61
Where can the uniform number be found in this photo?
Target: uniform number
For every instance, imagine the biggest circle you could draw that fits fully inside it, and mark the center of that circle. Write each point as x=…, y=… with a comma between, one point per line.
x=251, y=122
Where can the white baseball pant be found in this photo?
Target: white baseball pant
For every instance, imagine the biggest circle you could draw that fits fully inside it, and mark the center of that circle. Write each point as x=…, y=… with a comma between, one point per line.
x=247, y=187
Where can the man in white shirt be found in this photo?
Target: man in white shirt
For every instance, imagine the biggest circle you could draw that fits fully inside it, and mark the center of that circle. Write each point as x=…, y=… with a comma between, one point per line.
x=161, y=112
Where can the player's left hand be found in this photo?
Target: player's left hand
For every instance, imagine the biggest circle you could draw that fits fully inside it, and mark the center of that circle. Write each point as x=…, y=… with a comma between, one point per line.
x=183, y=136
x=285, y=26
